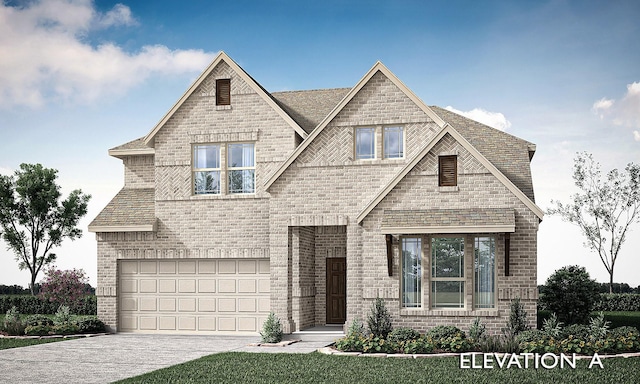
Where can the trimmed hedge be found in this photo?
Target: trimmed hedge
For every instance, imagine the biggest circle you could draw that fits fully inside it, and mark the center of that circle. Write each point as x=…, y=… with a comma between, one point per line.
x=27, y=304
x=617, y=302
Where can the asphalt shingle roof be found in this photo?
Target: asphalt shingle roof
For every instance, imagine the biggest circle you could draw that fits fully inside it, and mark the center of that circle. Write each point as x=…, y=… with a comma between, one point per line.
x=309, y=108
x=133, y=144
x=130, y=207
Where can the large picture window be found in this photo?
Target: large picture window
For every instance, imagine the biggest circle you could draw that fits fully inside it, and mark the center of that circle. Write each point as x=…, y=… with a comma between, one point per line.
x=484, y=272
x=411, y=272
x=447, y=272
x=206, y=169
x=241, y=168
x=365, y=143
x=393, y=142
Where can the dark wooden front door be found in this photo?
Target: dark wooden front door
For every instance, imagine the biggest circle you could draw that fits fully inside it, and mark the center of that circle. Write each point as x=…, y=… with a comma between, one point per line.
x=336, y=290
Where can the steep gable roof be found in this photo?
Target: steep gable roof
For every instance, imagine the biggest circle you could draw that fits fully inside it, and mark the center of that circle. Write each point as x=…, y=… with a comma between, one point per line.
x=448, y=129
x=510, y=154
x=378, y=67
x=223, y=57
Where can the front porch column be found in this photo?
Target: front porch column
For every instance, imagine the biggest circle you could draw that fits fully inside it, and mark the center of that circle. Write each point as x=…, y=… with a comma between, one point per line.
x=280, y=265
x=354, y=274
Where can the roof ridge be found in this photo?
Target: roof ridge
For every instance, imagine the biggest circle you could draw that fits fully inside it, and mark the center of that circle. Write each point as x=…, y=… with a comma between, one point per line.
x=312, y=90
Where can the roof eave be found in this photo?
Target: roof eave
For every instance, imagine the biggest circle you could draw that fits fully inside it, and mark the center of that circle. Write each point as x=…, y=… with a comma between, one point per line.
x=121, y=153
x=124, y=228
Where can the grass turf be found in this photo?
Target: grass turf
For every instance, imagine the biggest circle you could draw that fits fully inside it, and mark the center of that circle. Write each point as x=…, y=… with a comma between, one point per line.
x=238, y=367
x=17, y=343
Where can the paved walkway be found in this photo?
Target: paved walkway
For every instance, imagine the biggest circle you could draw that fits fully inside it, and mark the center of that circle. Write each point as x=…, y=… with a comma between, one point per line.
x=109, y=358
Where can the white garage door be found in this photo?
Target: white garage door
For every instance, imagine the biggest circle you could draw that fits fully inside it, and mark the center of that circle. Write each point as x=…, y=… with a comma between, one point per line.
x=183, y=296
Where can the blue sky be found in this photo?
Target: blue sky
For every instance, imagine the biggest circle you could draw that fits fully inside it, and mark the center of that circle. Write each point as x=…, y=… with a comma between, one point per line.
x=78, y=77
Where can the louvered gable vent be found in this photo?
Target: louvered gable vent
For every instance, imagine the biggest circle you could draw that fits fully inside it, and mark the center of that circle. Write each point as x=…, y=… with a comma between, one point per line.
x=223, y=92
x=448, y=171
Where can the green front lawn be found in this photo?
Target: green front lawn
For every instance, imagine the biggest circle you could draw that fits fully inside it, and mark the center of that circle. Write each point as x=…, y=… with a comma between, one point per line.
x=238, y=367
x=17, y=343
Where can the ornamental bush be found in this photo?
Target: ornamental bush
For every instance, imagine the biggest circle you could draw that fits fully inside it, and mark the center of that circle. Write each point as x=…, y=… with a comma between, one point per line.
x=271, y=330
x=90, y=325
x=379, y=319
x=617, y=302
x=571, y=294
x=66, y=287
x=403, y=334
x=12, y=324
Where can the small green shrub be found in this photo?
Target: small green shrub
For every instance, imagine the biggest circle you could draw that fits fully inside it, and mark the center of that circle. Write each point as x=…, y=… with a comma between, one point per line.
x=571, y=294
x=379, y=319
x=350, y=343
x=62, y=316
x=617, y=302
x=13, y=325
x=356, y=328
x=38, y=330
x=271, y=330
x=517, y=319
x=36, y=320
x=65, y=329
x=419, y=345
x=90, y=325
x=598, y=326
x=443, y=331
x=449, y=338
x=403, y=334
x=375, y=344
x=28, y=304
x=552, y=327
x=578, y=331
x=477, y=330
x=491, y=343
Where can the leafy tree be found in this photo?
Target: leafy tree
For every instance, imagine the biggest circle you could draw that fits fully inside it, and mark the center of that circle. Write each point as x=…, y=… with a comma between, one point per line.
x=604, y=208
x=32, y=218
x=65, y=288
x=571, y=294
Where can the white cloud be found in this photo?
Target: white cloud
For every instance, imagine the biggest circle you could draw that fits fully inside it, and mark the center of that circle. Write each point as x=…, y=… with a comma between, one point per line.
x=492, y=119
x=45, y=56
x=6, y=171
x=624, y=112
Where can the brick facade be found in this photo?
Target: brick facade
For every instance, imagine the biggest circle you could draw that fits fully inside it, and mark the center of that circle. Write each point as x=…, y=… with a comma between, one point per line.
x=310, y=211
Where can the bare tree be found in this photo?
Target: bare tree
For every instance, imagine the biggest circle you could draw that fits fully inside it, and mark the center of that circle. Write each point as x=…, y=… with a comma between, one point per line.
x=604, y=208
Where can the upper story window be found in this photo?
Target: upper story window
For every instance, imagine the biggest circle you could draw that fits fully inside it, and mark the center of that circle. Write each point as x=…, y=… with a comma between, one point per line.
x=241, y=167
x=447, y=272
x=223, y=92
x=206, y=169
x=448, y=171
x=365, y=143
x=393, y=142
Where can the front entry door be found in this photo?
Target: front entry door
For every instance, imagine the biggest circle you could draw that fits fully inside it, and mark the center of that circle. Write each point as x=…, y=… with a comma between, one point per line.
x=336, y=290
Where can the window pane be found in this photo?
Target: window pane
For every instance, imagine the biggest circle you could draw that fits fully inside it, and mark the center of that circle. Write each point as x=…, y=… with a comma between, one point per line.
x=484, y=266
x=242, y=181
x=393, y=143
x=411, y=273
x=447, y=294
x=447, y=257
x=206, y=182
x=241, y=155
x=206, y=156
x=365, y=143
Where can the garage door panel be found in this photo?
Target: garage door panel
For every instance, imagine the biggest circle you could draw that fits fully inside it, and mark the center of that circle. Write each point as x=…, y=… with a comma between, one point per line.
x=199, y=295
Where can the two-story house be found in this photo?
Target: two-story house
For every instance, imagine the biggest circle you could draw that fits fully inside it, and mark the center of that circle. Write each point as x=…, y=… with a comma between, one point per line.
x=310, y=204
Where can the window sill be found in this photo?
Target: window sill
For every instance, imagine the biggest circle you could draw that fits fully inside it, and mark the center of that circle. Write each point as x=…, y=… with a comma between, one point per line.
x=449, y=312
x=223, y=107
x=233, y=196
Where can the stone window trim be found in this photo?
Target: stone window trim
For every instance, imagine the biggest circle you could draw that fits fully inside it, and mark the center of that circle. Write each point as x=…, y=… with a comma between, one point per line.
x=469, y=309
x=224, y=172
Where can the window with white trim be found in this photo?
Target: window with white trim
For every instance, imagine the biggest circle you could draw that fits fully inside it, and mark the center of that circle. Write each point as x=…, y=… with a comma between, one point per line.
x=447, y=272
x=484, y=250
x=393, y=142
x=206, y=169
x=411, y=281
x=365, y=143
x=241, y=168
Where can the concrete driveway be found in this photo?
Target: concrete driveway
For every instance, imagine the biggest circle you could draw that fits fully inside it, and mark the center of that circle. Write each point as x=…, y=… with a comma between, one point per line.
x=109, y=358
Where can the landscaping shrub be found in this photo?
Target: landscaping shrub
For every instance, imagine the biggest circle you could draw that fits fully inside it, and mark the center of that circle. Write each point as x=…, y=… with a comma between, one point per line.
x=90, y=325
x=350, y=343
x=376, y=344
x=65, y=329
x=403, y=334
x=449, y=338
x=551, y=326
x=517, y=319
x=66, y=287
x=476, y=330
x=356, y=328
x=38, y=320
x=271, y=330
x=379, y=320
x=571, y=294
x=578, y=331
x=62, y=316
x=616, y=302
x=12, y=324
x=620, y=319
x=38, y=330
x=419, y=345
x=28, y=304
